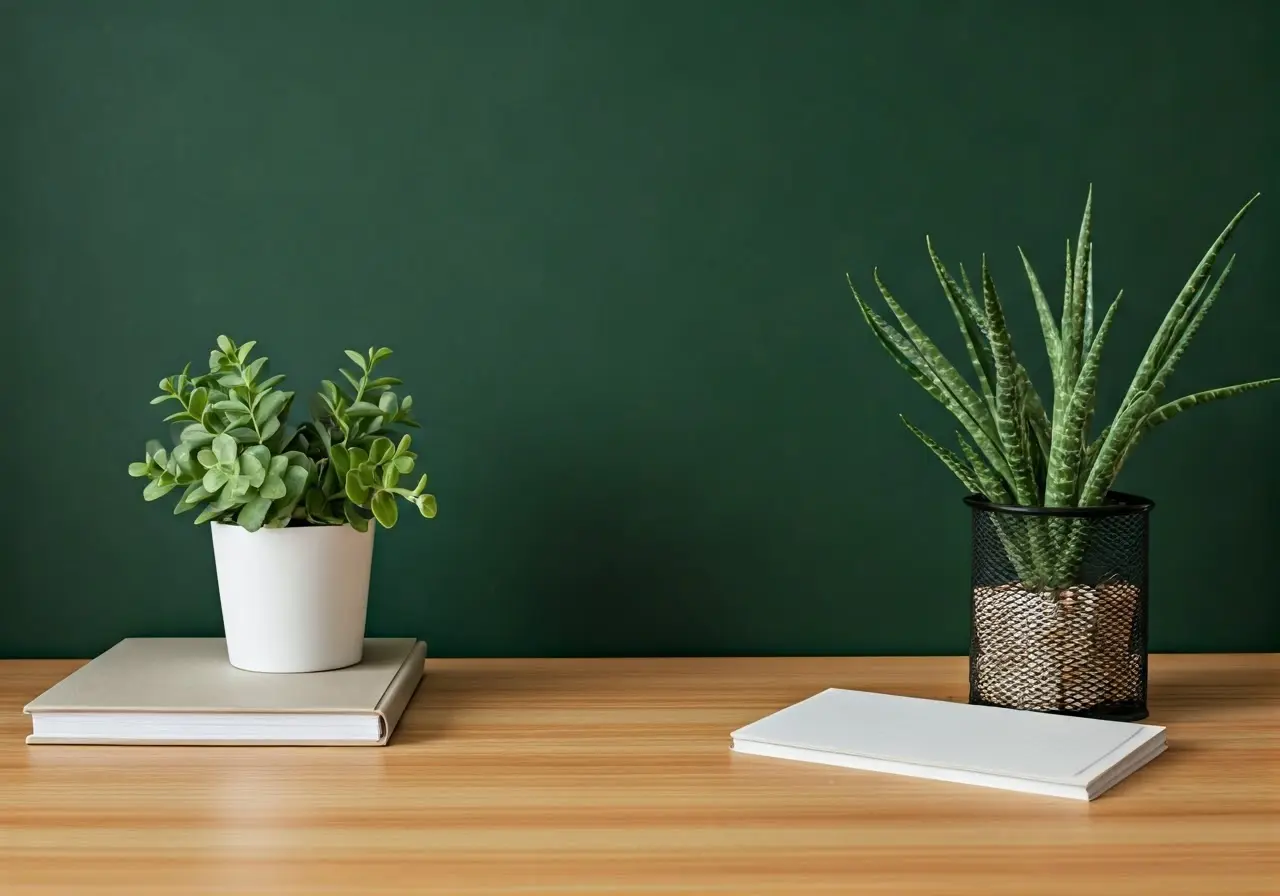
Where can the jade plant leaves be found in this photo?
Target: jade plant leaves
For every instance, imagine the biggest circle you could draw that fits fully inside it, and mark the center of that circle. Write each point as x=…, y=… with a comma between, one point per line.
x=237, y=458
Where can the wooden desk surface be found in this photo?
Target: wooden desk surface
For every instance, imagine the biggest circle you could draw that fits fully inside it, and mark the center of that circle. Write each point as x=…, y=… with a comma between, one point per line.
x=595, y=776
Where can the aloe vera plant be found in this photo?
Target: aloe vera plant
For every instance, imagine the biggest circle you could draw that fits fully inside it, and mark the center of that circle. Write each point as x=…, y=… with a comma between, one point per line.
x=1015, y=448
x=239, y=459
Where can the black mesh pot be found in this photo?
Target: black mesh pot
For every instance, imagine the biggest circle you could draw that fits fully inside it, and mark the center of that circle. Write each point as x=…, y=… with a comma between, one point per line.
x=1059, y=620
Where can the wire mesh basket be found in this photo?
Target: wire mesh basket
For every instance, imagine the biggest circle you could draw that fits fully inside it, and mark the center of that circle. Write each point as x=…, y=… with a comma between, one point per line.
x=1059, y=615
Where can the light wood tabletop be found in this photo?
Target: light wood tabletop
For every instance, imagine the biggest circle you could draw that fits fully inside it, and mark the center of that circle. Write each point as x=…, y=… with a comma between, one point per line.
x=615, y=776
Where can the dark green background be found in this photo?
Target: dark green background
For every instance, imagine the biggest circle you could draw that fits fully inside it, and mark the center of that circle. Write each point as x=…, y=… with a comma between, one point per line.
x=608, y=242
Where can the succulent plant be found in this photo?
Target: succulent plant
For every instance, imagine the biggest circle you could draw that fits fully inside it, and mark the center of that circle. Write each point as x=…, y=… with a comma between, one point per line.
x=1016, y=449
x=239, y=459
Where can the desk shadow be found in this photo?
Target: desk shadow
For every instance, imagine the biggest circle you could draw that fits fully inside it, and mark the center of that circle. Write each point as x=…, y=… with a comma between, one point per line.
x=1200, y=693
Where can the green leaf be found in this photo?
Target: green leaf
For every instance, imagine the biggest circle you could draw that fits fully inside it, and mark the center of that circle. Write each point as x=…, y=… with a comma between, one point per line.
x=359, y=457
x=358, y=359
x=243, y=435
x=1168, y=411
x=207, y=458
x=253, y=513
x=163, y=398
x=422, y=484
x=182, y=455
x=390, y=476
x=252, y=470
x=251, y=372
x=1170, y=328
x=243, y=353
x=270, y=427
x=139, y=469
x=270, y=381
x=209, y=513
x=943, y=370
x=358, y=522
x=385, y=510
x=1007, y=394
x=295, y=484
x=232, y=404
x=231, y=380
x=356, y=491
x=379, y=355
x=403, y=464
x=1048, y=326
x=315, y=502
x=389, y=404
x=278, y=465
x=271, y=405
x=405, y=442
x=214, y=479
x=239, y=485
x=384, y=382
x=364, y=409
x=225, y=344
x=1063, y=475
x=1072, y=347
x=1088, y=302
x=194, y=495
x=355, y=383
x=341, y=460
x=329, y=391
x=1195, y=315
x=406, y=403
x=261, y=455
x=1110, y=455
x=196, y=436
x=909, y=360
x=991, y=485
x=970, y=328
x=157, y=488
x=381, y=450
x=224, y=449
x=427, y=506
x=952, y=463
x=273, y=487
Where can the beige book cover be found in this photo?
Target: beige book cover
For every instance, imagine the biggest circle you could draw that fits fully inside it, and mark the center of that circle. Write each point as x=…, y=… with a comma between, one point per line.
x=185, y=691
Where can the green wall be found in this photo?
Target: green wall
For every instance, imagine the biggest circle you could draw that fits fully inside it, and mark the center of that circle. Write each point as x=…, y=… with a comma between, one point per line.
x=608, y=242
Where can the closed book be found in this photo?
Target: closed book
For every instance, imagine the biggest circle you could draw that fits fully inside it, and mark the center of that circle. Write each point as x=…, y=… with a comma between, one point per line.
x=1033, y=752
x=185, y=691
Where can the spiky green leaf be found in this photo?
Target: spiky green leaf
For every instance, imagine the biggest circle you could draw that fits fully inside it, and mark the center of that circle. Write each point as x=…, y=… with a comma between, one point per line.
x=1063, y=474
x=948, y=458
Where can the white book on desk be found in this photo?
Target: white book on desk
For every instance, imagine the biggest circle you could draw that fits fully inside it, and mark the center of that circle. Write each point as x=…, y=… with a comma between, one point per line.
x=172, y=691
x=1032, y=752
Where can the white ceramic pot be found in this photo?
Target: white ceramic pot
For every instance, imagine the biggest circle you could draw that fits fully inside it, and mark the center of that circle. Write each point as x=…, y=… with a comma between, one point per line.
x=293, y=599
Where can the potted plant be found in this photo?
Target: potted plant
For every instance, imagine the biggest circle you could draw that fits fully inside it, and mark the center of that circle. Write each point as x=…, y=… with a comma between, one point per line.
x=293, y=508
x=1059, y=558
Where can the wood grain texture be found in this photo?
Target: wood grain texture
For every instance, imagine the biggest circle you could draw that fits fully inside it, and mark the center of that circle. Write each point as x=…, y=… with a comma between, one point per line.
x=615, y=776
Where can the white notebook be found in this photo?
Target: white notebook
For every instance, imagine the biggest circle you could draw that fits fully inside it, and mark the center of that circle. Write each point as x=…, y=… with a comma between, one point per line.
x=1061, y=756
